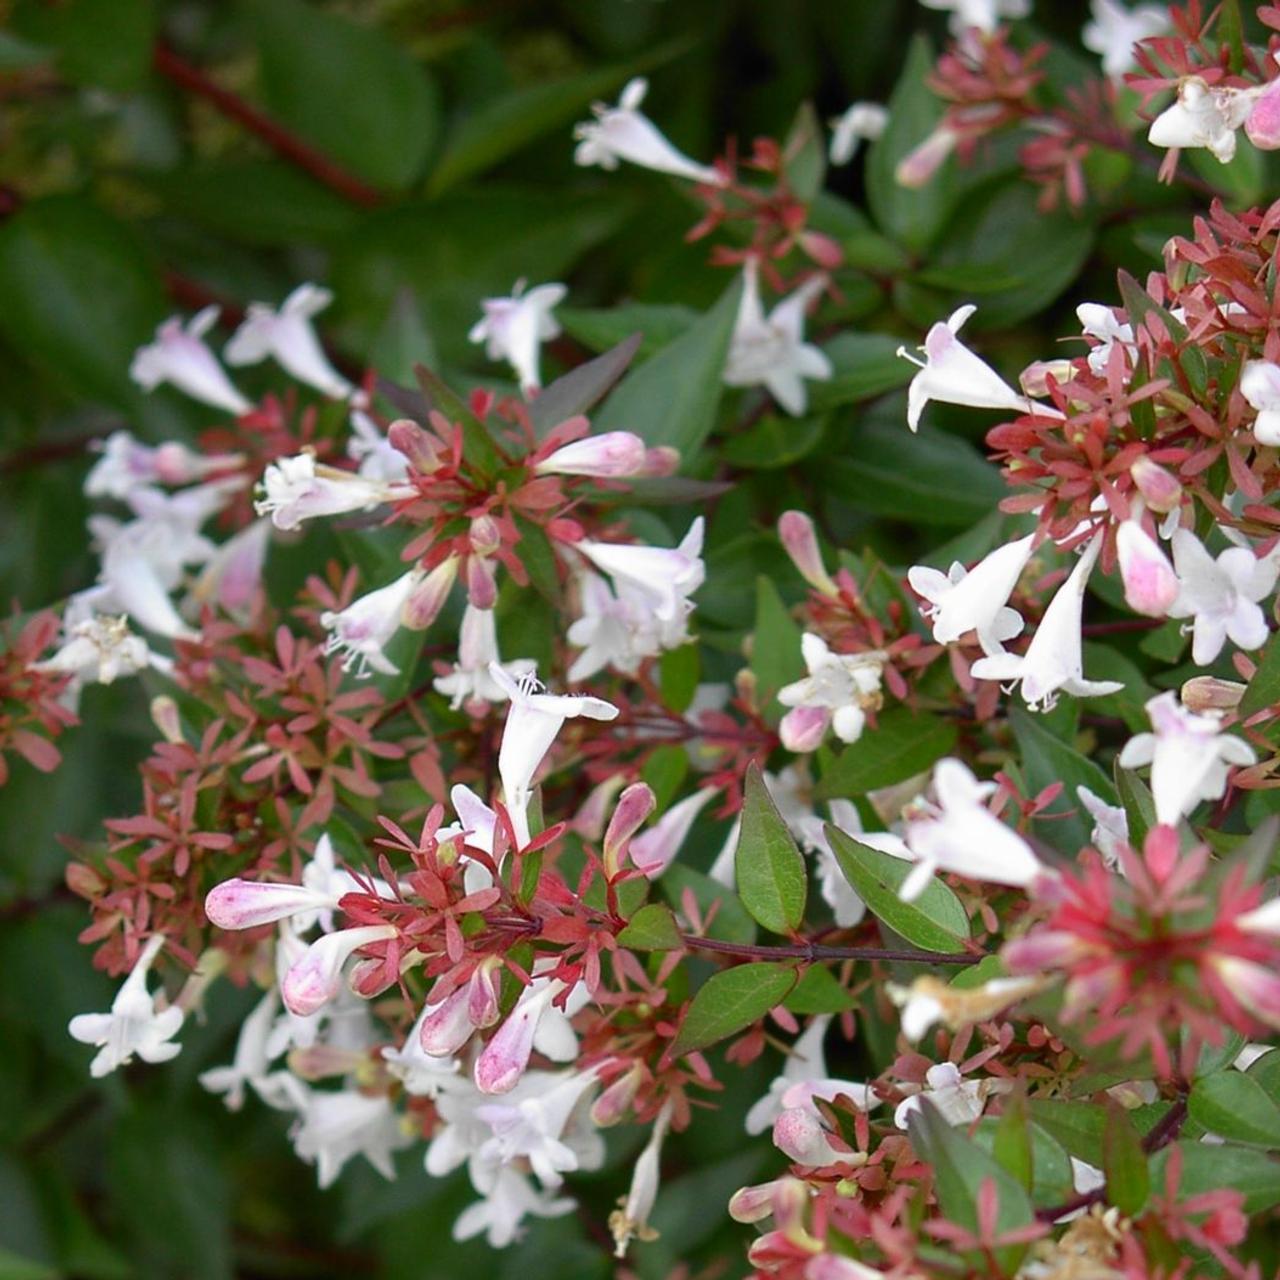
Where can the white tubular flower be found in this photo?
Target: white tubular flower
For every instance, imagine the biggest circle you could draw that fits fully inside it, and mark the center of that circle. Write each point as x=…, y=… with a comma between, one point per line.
x=1222, y=597
x=664, y=577
x=506, y=1057
x=631, y=1221
x=963, y=836
x=860, y=122
x=654, y=850
x=1099, y=321
x=509, y=1197
x=1260, y=386
x=365, y=627
x=1188, y=754
x=625, y=133
x=805, y=1062
x=181, y=356
x=1054, y=659
x=232, y=575
x=99, y=651
x=127, y=464
x=287, y=336
x=770, y=351
x=836, y=693
x=985, y=15
x=532, y=724
x=951, y=373
x=513, y=329
x=300, y=488
x=532, y=1127
x=1150, y=584
x=608, y=455
x=801, y=1136
x=249, y=1066
x=1203, y=117
x=423, y=1075
x=977, y=599
x=134, y=1025
x=332, y=1128
x=315, y=977
x=377, y=457
x=960, y=1101
x=1114, y=30
x=1110, y=826
x=469, y=684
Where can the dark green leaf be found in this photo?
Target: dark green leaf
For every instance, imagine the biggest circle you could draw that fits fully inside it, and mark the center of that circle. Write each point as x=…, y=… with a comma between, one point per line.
x=1079, y=1126
x=730, y=1001
x=775, y=441
x=903, y=744
x=652, y=928
x=768, y=863
x=775, y=644
x=804, y=154
x=580, y=388
x=820, y=991
x=1216, y=1168
x=97, y=42
x=864, y=365
x=1264, y=688
x=658, y=324
x=679, y=671
x=1139, y=807
x=1012, y=1145
x=1235, y=1106
x=1124, y=1162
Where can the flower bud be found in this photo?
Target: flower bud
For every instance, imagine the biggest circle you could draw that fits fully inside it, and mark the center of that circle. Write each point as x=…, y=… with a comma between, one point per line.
x=1034, y=378
x=1150, y=584
x=424, y=605
x=482, y=583
x=505, y=1057
x=165, y=717
x=588, y=822
x=614, y=1103
x=446, y=1025
x=1043, y=949
x=821, y=249
x=918, y=166
x=634, y=806
x=803, y=728
x=313, y=980
x=661, y=460
x=84, y=881
x=1160, y=852
x=484, y=535
x=420, y=447
x=800, y=1135
x=482, y=993
x=1160, y=489
x=1209, y=693
x=753, y=1204
x=610, y=454
x=801, y=543
x=1263, y=123
x=248, y=904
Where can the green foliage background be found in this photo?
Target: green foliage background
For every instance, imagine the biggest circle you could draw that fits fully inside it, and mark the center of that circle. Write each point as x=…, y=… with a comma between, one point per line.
x=122, y=195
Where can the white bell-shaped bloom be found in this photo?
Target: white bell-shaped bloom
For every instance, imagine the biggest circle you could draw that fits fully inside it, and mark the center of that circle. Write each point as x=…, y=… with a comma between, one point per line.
x=770, y=351
x=1222, y=597
x=665, y=577
x=1054, y=660
x=654, y=850
x=251, y=1061
x=1115, y=29
x=509, y=1197
x=951, y=373
x=984, y=15
x=300, y=488
x=469, y=684
x=805, y=1062
x=533, y=721
x=513, y=329
x=961, y=835
x=334, y=1127
x=99, y=651
x=624, y=132
x=620, y=630
x=837, y=692
x=1188, y=754
x=1203, y=116
x=1110, y=826
x=182, y=357
x=362, y=631
x=960, y=1101
x=532, y=1127
x=859, y=122
x=977, y=599
x=1100, y=322
x=134, y=1025
x=423, y=1075
x=287, y=336
x=1260, y=386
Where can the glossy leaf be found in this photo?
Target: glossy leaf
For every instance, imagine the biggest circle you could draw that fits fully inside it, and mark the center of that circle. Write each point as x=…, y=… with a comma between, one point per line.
x=768, y=863
x=1235, y=1106
x=903, y=743
x=652, y=928
x=730, y=1001
x=1124, y=1162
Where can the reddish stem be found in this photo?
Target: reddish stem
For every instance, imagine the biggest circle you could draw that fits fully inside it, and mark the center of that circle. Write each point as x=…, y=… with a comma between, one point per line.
x=286, y=144
x=814, y=951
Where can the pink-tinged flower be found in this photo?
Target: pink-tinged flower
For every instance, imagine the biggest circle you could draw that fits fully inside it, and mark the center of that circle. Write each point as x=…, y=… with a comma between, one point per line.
x=1054, y=660
x=533, y=1128
x=609, y=455
x=1255, y=986
x=976, y=599
x=250, y=904
x=837, y=692
x=287, y=336
x=961, y=835
x=181, y=356
x=469, y=684
x=513, y=329
x=631, y=1222
x=505, y=1058
x=134, y=1025
x=653, y=851
x=300, y=488
x=232, y=576
x=533, y=721
x=634, y=806
x=919, y=165
x=1263, y=122
x=800, y=542
x=664, y=577
x=1160, y=489
x=1260, y=386
x=859, y=122
x=1203, y=116
x=445, y=1025
x=316, y=977
x=951, y=373
x=126, y=464
x=982, y=15
x=770, y=351
x=427, y=595
x=959, y=1101
x=625, y=133
x=1188, y=754
x=362, y=630
x=833, y=1266
x=1222, y=597
x=1115, y=29
x=1150, y=584
x=801, y=1136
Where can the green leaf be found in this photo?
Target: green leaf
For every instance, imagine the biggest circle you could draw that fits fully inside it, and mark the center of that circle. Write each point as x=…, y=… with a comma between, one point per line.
x=820, y=991
x=1215, y=1168
x=1124, y=1162
x=106, y=43
x=1139, y=807
x=731, y=922
x=864, y=365
x=1264, y=688
x=658, y=324
x=775, y=441
x=935, y=920
x=1079, y=1126
x=672, y=398
x=1012, y=1145
x=1051, y=1166
x=903, y=744
x=730, y=1001
x=652, y=928
x=664, y=771
x=804, y=154
x=961, y=1168
x=775, y=645
x=580, y=388
x=12, y=1267
x=1235, y=1106
x=768, y=863
x=679, y=671
x=347, y=88
x=78, y=296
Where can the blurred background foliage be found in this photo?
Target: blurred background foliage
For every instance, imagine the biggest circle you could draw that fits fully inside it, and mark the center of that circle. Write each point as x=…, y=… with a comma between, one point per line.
x=138, y=177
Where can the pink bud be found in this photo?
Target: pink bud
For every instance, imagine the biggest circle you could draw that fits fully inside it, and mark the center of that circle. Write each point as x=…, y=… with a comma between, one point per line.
x=1150, y=584
x=803, y=728
x=247, y=904
x=799, y=1134
x=505, y=1057
x=424, y=605
x=831, y=1266
x=821, y=249
x=634, y=806
x=447, y=1025
x=166, y=718
x=313, y=980
x=752, y=1204
x=1043, y=949
x=1160, y=489
x=611, y=454
x=661, y=460
x=482, y=583
x=614, y=1103
x=918, y=166
x=588, y=822
x=1263, y=122
x=482, y=993
x=420, y=447
x=801, y=543
x=1209, y=693
x=1160, y=852
x=484, y=535
x=1034, y=378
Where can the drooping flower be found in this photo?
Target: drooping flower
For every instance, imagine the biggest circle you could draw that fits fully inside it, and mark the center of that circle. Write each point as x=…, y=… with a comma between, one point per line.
x=182, y=357
x=1222, y=596
x=316, y=976
x=1150, y=584
x=1054, y=660
x=985, y=15
x=134, y=1025
x=1203, y=116
x=859, y=122
x=951, y=373
x=1260, y=386
x=514, y=328
x=977, y=599
x=504, y=1060
x=469, y=684
x=631, y=1221
x=836, y=693
x=126, y=464
x=300, y=488
x=625, y=133
x=1188, y=754
x=362, y=631
x=770, y=351
x=286, y=334
x=251, y=1060
x=1115, y=29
